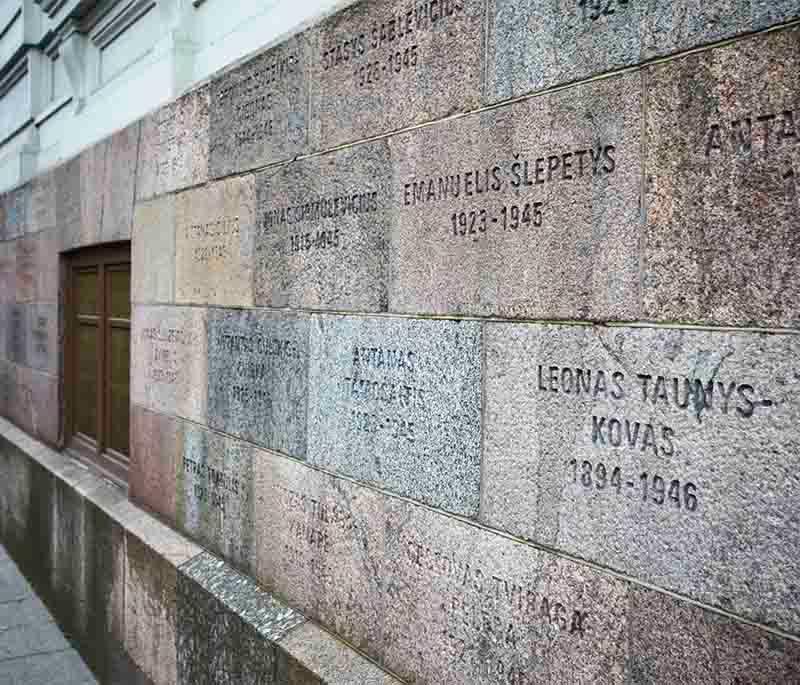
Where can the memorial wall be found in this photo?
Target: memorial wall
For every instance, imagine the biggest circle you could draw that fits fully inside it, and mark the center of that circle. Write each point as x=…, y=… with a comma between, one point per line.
x=469, y=329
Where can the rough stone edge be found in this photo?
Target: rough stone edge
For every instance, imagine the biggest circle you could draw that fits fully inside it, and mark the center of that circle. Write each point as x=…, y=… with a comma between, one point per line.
x=308, y=647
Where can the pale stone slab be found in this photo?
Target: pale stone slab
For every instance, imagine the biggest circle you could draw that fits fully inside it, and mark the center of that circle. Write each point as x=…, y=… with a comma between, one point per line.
x=533, y=44
x=598, y=439
x=215, y=494
x=91, y=179
x=214, y=243
x=153, y=251
x=532, y=210
x=156, y=451
x=169, y=360
x=174, y=146
x=397, y=403
x=259, y=109
x=42, y=338
x=8, y=271
x=322, y=231
x=258, y=377
x=68, y=203
x=437, y=599
x=382, y=66
x=723, y=196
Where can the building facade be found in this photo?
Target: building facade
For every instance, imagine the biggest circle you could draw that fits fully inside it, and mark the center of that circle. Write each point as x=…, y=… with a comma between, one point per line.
x=449, y=341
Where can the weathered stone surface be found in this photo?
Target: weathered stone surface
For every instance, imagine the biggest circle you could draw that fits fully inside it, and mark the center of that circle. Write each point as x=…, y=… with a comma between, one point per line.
x=597, y=439
x=14, y=211
x=214, y=243
x=156, y=453
x=92, y=175
x=258, y=377
x=381, y=66
x=43, y=203
x=437, y=599
x=68, y=203
x=119, y=185
x=8, y=271
x=42, y=337
x=16, y=333
x=150, y=611
x=8, y=387
x=153, y=251
x=174, y=146
x=532, y=210
x=259, y=109
x=397, y=403
x=534, y=45
x=215, y=494
x=38, y=267
x=722, y=192
x=37, y=405
x=322, y=231
x=169, y=360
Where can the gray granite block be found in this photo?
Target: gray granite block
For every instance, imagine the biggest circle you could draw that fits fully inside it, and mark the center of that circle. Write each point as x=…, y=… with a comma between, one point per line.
x=259, y=109
x=215, y=501
x=438, y=599
x=43, y=338
x=153, y=251
x=381, y=66
x=68, y=203
x=533, y=44
x=258, y=377
x=723, y=200
x=169, y=360
x=43, y=198
x=8, y=383
x=396, y=402
x=322, y=231
x=214, y=243
x=600, y=438
x=532, y=210
x=8, y=271
x=174, y=146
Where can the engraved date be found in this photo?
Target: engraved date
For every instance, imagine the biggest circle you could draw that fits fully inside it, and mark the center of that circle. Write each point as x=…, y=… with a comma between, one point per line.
x=509, y=218
x=651, y=488
x=395, y=62
x=595, y=9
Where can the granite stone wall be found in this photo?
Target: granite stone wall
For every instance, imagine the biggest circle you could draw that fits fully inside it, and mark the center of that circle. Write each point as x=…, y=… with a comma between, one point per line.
x=468, y=329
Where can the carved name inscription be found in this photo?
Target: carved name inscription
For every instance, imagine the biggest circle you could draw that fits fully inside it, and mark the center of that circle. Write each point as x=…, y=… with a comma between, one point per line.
x=506, y=228
x=389, y=395
x=169, y=360
x=389, y=64
x=213, y=243
x=259, y=110
x=598, y=438
x=43, y=322
x=258, y=378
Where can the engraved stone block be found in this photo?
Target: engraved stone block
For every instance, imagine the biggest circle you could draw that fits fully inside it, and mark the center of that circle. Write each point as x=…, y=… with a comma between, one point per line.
x=215, y=494
x=42, y=337
x=723, y=195
x=8, y=271
x=174, y=147
x=438, y=599
x=534, y=44
x=156, y=449
x=153, y=251
x=381, y=66
x=14, y=211
x=396, y=402
x=532, y=210
x=259, y=110
x=598, y=439
x=16, y=333
x=214, y=243
x=169, y=360
x=27, y=268
x=258, y=377
x=322, y=231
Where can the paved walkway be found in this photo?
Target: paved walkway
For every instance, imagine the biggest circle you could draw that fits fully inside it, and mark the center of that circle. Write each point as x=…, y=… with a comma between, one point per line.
x=32, y=649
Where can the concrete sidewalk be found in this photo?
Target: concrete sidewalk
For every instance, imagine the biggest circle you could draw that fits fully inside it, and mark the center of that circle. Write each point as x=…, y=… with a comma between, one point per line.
x=33, y=651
